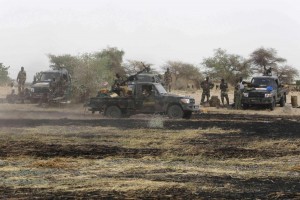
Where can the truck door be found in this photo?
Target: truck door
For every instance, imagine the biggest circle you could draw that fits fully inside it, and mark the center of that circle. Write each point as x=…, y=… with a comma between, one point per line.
x=147, y=98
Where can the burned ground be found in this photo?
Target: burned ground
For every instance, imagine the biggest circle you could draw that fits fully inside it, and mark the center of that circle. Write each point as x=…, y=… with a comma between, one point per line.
x=211, y=156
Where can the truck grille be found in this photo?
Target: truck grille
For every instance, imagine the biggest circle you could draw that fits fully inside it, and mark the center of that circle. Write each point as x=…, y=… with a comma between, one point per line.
x=256, y=95
x=41, y=90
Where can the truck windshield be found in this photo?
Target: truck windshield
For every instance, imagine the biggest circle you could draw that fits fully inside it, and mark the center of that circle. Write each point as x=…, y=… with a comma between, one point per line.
x=49, y=76
x=160, y=89
x=264, y=82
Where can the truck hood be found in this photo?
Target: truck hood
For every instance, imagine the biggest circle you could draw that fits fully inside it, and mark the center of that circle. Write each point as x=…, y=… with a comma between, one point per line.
x=264, y=89
x=176, y=96
x=41, y=84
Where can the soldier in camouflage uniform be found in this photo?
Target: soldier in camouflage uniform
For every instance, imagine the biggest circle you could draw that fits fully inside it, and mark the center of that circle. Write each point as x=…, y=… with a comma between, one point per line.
x=239, y=88
x=206, y=86
x=117, y=83
x=168, y=80
x=21, y=80
x=224, y=91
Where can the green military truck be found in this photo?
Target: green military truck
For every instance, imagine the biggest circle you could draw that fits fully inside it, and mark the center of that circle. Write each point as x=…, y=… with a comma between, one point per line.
x=264, y=90
x=144, y=95
x=41, y=86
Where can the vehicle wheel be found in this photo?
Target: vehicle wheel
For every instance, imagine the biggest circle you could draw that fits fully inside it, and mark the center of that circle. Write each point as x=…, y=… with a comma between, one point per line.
x=272, y=105
x=282, y=101
x=113, y=112
x=34, y=100
x=126, y=113
x=187, y=115
x=245, y=106
x=175, y=112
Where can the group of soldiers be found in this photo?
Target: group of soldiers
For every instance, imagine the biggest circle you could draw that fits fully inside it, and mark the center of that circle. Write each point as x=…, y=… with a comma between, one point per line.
x=206, y=86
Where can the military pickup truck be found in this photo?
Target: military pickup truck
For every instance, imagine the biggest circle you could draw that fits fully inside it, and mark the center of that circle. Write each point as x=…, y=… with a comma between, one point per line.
x=41, y=85
x=264, y=90
x=143, y=97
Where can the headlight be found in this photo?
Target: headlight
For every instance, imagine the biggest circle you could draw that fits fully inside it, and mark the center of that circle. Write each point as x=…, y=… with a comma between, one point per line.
x=185, y=101
x=31, y=89
x=245, y=94
x=268, y=95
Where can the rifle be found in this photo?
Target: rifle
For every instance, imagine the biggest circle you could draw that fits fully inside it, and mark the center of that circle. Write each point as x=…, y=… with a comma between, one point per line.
x=117, y=88
x=134, y=77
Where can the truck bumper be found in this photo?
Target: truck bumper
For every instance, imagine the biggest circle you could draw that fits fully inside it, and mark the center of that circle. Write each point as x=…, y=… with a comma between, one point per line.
x=192, y=108
x=256, y=101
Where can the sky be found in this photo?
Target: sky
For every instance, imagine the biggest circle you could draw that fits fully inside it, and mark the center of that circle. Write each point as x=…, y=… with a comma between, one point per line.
x=153, y=31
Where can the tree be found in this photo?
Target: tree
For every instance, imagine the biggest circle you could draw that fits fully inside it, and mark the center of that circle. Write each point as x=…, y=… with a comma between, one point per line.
x=134, y=66
x=4, y=78
x=91, y=69
x=287, y=74
x=184, y=74
x=265, y=59
x=227, y=66
x=63, y=61
x=112, y=58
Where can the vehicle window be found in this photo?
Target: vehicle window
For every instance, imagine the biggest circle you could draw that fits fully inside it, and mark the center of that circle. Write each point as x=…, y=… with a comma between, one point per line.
x=160, y=89
x=146, y=90
x=263, y=82
x=49, y=76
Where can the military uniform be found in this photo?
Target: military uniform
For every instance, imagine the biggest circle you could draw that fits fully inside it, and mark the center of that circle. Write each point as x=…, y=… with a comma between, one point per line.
x=168, y=80
x=238, y=95
x=21, y=80
x=224, y=92
x=206, y=87
x=117, y=83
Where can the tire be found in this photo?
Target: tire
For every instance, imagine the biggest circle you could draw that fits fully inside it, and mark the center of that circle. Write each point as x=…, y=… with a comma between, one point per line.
x=245, y=106
x=175, y=112
x=272, y=105
x=113, y=112
x=187, y=115
x=282, y=101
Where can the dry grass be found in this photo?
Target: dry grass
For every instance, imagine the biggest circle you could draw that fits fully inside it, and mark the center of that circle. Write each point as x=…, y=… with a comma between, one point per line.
x=147, y=160
x=61, y=163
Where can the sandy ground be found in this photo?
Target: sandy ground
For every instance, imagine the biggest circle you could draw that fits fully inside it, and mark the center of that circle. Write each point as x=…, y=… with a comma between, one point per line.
x=78, y=109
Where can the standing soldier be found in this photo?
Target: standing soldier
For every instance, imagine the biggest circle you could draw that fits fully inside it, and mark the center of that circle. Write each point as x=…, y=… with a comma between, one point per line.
x=53, y=87
x=238, y=94
x=206, y=86
x=21, y=80
x=224, y=91
x=168, y=80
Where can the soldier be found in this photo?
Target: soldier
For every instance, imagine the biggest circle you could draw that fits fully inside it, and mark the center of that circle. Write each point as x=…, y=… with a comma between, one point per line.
x=117, y=84
x=61, y=86
x=224, y=91
x=21, y=80
x=239, y=88
x=53, y=87
x=206, y=86
x=168, y=80
x=12, y=97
